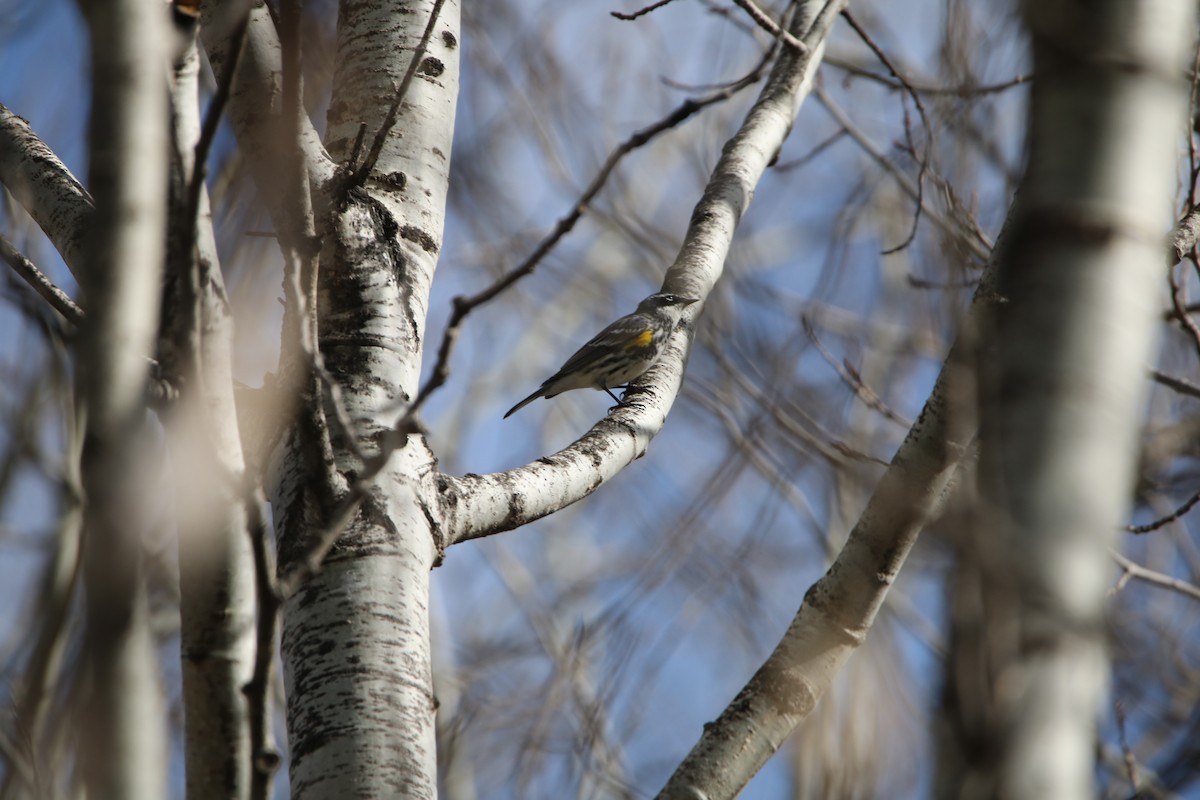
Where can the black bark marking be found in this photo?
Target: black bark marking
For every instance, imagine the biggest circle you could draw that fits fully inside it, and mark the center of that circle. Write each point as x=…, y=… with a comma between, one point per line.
x=426, y=242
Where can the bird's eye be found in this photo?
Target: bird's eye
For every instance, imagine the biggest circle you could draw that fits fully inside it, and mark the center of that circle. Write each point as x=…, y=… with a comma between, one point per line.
x=667, y=299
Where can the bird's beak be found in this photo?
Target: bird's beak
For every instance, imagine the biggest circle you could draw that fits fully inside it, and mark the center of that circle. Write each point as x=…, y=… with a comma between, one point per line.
x=687, y=301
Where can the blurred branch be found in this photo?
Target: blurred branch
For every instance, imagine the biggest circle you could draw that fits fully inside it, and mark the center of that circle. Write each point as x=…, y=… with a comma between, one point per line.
x=1183, y=387
x=46, y=188
x=123, y=740
x=969, y=90
x=37, y=703
x=641, y=11
x=851, y=377
x=215, y=567
x=923, y=159
x=59, y=300
x=970, y=236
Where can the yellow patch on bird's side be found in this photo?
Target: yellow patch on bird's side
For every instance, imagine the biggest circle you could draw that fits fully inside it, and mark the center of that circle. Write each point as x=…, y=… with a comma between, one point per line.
x=643, y=339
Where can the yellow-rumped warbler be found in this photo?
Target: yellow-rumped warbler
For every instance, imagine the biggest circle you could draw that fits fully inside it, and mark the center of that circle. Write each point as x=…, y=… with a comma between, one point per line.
x=620, y=352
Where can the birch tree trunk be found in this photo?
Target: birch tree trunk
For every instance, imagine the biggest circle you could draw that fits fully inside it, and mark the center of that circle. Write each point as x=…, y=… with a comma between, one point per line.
x=1061, y=376
x=124, y=753
x=355, y=643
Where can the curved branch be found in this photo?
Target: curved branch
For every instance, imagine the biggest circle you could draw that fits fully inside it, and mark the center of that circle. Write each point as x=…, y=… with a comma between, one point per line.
x=476, y=505
x=44, y=186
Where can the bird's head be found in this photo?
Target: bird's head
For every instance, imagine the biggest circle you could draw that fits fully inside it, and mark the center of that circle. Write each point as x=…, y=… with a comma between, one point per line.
x=665, y=302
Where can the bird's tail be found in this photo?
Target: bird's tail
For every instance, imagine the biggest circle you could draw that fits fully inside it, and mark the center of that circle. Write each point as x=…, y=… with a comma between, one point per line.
x=541, y=391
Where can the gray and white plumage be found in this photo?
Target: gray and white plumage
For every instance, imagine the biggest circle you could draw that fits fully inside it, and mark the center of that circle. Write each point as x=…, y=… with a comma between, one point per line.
x=619, y=353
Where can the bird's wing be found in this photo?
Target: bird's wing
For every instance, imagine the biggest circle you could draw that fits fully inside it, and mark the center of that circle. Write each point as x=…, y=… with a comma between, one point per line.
x=632, y=331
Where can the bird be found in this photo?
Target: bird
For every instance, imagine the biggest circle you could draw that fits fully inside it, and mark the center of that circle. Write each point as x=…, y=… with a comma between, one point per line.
x=619, y=353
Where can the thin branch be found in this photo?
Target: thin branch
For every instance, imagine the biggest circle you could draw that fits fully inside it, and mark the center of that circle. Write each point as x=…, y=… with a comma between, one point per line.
x=966, y=90
x=1168, y=519
x=764, y=21
x=973, y=240
x=309, y=565
x=212, y=120
x=808, y=157
x=1132, y=569
x=851, y=377
x=59, y=300
x=1179, y=303
x=1131, y=768
x=464, y=305
x=924, y=159
x=360, y=173
x=1180, y=385
x=641, y=11
x=264, y=758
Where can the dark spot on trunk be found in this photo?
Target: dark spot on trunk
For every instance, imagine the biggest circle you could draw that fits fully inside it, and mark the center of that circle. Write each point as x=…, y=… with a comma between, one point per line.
x=432, y=67
x=412, y=233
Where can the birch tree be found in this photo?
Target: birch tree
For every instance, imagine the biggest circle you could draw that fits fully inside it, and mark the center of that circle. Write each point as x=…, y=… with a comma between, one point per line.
x=441, y=201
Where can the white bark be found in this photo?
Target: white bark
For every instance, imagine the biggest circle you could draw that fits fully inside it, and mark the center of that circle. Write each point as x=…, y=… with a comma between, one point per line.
x=124, y=740
x=1063, y=386
x=216, y=570
x=355, y=641
x=43, y=185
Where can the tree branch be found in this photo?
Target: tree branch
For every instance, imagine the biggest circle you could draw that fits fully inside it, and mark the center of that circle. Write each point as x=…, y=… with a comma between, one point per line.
x=44, y=186
x=59, y=300
x=481, y=505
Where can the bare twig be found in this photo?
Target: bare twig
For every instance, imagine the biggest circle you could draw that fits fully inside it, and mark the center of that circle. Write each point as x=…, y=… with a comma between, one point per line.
x=212, y=119
x=360, y=173
x=922, y=283
x=764, y=21
x=821, y=147
x=923, y=160
x=56, y=297
x=1179, y=303
x=1134, y=570
x=1178, y=384
x=851, y=377
x=970, y=238
x=1131, y=768
x=1168, y=519
x=641, y=11
x=966, y=90
x=264, y=759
